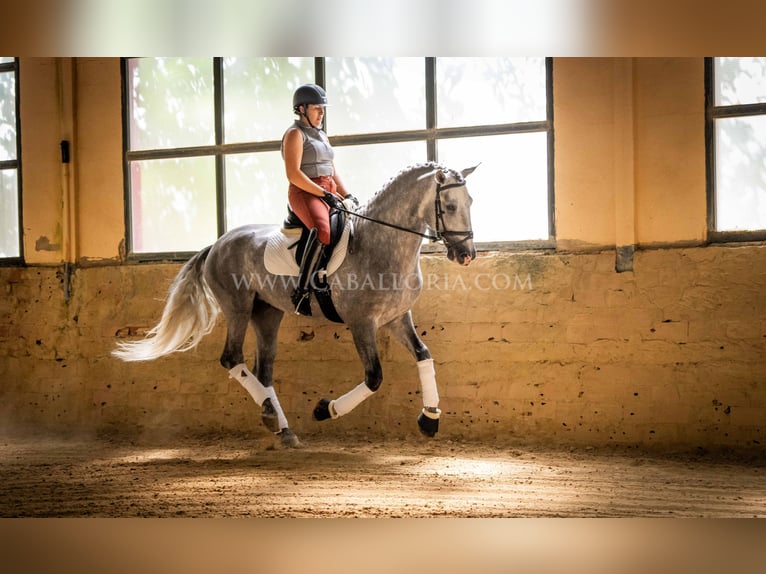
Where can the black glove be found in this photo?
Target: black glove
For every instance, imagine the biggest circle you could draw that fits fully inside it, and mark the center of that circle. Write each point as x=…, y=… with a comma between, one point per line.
x=332, y=200
x=354, y=200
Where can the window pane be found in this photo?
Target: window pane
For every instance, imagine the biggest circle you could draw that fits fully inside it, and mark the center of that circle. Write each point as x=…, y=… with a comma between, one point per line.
x=173, y=204
x=741, y=173
x=9, y=213
x=258, y=96
x=510, y=187
x=6, y=59
x=370, y=95
x=7, y=116
x=171, y=102
x=479, y=91
x=740, y=81
x=365, y=169
x=256, y=189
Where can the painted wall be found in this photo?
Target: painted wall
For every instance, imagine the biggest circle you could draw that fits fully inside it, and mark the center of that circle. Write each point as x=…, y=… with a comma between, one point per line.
x=630, y=151
x=565, y=349
x=80, y=206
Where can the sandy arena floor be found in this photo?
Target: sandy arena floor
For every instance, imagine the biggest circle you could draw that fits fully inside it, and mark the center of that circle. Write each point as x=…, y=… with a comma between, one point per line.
x=231, y=476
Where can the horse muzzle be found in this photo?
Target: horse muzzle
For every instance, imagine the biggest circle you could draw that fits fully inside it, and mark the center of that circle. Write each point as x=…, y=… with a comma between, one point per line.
x=462, y=254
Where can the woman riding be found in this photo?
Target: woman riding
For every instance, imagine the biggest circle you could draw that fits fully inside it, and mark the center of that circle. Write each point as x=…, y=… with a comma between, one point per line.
x=315, y=185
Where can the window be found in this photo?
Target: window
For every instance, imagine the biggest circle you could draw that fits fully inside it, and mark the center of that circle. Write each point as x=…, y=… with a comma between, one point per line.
x=736, y=139
x=10, y=172
x=203, y=138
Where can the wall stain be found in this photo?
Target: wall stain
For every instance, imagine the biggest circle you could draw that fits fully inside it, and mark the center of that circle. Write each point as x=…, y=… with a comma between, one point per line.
x=44, y=244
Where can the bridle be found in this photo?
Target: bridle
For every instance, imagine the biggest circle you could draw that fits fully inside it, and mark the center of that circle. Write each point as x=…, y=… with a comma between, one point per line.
x=441, y=232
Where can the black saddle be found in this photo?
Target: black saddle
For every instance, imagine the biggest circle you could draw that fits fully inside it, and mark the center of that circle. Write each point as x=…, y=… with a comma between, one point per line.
x=320, y=288
x=293, y=223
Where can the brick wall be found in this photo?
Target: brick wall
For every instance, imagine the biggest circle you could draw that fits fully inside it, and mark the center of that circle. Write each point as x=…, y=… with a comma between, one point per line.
x=533, y=347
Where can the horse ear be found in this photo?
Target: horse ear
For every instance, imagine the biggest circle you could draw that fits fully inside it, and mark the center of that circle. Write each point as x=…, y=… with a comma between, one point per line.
x=468, y=171
x=440, y=177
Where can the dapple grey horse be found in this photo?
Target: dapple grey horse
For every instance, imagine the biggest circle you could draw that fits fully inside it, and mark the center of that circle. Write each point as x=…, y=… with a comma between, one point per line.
x=388, y=232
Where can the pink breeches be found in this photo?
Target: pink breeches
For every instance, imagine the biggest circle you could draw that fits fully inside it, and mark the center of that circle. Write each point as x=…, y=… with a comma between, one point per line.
x=312, y=210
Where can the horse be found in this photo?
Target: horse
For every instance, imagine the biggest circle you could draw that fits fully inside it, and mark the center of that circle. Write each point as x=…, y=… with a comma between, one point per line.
x=388, y=233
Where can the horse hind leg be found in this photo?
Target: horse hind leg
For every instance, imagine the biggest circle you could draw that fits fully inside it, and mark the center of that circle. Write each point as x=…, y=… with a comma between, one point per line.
x=265, y=320
x=233, y=359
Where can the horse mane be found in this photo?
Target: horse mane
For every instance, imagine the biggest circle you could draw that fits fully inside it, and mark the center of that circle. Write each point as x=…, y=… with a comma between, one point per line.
x=404, y=173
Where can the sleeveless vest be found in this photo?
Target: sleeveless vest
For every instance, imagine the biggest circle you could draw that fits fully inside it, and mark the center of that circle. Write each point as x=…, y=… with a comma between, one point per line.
x=317, y=152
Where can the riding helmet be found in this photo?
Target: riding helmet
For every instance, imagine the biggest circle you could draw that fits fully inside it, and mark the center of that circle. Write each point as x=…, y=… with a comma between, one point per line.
x=309, y=94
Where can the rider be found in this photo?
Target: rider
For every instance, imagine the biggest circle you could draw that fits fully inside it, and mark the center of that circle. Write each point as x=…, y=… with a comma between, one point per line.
x=315, y=185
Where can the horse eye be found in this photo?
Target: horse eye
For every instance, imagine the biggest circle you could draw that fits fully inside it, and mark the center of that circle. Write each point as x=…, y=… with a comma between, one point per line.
x=451, y=207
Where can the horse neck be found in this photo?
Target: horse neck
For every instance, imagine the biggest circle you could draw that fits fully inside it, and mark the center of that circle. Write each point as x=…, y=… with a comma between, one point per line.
x=403, y=202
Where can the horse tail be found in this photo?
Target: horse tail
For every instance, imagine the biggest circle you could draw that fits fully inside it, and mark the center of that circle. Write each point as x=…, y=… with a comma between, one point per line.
x=189, y=314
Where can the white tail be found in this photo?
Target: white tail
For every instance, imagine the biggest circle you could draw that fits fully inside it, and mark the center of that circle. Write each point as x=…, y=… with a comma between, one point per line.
x=189, y=314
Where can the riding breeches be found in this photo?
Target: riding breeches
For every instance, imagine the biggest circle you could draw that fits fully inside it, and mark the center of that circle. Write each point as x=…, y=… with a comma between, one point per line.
x=312, y=210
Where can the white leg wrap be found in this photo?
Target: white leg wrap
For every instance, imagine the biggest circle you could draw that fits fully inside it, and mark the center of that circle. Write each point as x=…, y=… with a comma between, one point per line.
x=251, y=383
x=348, y=402
x=428, y=383
x=259, y=393
x=281, y=418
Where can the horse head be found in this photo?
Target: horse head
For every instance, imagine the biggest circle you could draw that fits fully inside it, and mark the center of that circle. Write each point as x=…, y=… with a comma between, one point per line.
x=453, y=214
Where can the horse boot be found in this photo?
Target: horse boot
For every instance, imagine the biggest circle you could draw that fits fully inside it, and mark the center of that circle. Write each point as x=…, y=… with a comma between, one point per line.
x=302, y=293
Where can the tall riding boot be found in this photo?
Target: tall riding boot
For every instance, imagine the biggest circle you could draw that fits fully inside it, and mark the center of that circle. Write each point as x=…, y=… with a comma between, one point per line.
x=300, y=296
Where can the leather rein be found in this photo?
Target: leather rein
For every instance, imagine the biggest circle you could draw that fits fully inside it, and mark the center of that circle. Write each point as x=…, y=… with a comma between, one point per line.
x=442, y=233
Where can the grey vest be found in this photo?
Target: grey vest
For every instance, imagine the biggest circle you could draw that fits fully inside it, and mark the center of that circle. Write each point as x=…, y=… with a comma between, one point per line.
x=317, y=152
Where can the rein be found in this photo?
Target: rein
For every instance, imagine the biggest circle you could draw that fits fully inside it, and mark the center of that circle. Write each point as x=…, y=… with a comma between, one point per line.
x=441, y=232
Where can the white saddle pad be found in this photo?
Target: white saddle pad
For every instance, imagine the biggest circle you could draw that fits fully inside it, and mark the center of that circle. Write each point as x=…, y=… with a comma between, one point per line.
x=280, y=260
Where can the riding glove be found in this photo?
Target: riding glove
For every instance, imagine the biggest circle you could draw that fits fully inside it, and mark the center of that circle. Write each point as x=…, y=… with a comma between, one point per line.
x=332, y=200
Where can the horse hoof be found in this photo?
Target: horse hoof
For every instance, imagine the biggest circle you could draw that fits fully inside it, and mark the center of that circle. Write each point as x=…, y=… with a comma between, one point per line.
x=322, y=410
x=288, y=439
x=269, y=416
x=428, y=426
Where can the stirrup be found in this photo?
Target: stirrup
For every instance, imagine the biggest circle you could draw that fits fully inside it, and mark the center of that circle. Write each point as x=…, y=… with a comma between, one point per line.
x=302, y=302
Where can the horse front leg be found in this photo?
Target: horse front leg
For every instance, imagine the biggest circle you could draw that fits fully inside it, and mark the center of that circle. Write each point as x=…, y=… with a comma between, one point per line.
x=367, y=348
x=404, y=331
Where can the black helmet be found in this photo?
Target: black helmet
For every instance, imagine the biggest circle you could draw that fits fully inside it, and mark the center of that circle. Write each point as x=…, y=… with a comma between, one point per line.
x=309, y=94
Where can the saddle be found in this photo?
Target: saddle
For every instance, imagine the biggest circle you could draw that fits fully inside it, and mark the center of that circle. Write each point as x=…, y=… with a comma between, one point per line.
x=293, y=226
x=319, y=286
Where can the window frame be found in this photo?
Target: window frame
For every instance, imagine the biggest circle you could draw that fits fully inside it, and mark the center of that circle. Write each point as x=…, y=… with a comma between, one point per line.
x=430, y=135
x=712, y=113
x=15, y=164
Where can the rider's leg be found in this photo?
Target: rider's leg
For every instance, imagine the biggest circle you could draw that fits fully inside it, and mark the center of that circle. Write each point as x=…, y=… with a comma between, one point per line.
x=312, y=211
x=300, y=297
x=315, y=215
